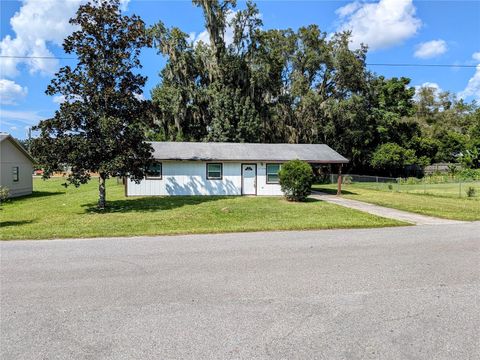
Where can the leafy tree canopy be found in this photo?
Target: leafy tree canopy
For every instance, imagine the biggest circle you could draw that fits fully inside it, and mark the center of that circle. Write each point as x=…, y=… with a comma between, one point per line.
x=100, y=127
x=297, y=86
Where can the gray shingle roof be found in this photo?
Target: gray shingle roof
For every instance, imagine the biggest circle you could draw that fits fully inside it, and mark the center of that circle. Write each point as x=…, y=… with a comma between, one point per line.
x=314, y=153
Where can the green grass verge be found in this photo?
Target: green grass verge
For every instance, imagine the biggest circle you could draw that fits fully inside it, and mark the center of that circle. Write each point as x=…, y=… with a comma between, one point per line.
x=55, y=212
x=453, y=190
x=439, y=206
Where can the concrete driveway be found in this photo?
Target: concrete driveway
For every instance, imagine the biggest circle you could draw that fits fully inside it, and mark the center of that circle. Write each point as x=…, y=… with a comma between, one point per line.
x=383, y=211
x=396, y=293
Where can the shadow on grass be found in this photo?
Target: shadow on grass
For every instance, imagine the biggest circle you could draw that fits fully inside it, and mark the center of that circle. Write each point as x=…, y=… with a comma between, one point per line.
x=311, y=200
x=307, y=200
x=333, y=191
x=14, y=223
x=151, y=204
x=36, y=194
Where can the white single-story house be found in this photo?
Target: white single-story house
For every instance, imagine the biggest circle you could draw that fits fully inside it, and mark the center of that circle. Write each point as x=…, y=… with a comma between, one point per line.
x=193, y=168
x=16, y=166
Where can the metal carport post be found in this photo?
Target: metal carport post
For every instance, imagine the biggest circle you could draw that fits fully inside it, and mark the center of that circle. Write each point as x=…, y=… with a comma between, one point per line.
x=339, y=180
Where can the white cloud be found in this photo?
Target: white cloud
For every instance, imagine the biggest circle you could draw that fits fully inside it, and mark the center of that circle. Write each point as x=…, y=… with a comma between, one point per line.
x=430, y=49
x=11, y=92
x=37, y=25
x=432, y=85
x=25, y=117
x=139, y=97
x=379, y=25
x=203, y=37
x=124, y=5
x=348, y=9
x=60, y=99
x=473, y=87
x=227, y=36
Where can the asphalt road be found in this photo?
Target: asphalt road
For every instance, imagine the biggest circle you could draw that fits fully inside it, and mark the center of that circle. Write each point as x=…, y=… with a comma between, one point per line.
x=397, y=293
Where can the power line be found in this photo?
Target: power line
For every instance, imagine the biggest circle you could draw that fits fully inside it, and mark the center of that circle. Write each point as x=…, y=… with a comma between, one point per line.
x=36, y=57
x=368, y=64
x=424, y=65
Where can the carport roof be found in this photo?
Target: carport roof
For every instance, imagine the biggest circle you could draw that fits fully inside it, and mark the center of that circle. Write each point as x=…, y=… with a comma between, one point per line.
x=209, y=151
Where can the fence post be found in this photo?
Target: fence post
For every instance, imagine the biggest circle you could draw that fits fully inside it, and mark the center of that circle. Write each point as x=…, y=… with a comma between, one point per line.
x=339, y=180
x=460, y=188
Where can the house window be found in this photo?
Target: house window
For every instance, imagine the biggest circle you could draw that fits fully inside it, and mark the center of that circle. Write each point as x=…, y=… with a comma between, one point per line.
x=15, y=173
x=272, y=173
x=154, y=171
x=214, y=171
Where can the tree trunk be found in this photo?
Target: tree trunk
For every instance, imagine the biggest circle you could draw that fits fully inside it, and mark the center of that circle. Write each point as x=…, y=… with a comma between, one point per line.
x=101, y=191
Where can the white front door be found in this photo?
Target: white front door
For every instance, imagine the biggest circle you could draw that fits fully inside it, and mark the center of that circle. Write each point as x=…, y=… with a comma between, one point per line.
x=249, y=179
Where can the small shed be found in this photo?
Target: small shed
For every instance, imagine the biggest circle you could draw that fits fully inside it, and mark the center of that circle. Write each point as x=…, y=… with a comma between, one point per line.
x=16, y=166
x=193, y=168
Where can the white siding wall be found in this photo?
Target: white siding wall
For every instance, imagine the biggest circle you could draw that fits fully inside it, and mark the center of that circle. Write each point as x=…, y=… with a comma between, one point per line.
x=262, y=187
x=190, y=178
x=10, y=156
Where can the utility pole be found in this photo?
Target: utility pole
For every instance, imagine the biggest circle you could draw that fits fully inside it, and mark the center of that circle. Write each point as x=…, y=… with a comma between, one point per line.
x=30, y=139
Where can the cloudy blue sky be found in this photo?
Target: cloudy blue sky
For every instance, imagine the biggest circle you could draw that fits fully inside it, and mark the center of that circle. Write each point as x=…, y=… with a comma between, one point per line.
x=397, y=31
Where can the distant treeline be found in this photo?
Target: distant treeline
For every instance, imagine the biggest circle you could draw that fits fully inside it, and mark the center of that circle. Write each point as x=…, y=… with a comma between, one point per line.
x=245, y=84
x=302, y=86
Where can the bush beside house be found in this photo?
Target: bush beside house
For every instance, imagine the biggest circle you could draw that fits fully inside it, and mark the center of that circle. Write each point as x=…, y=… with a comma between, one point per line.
x=296, y=179
x=4, y=193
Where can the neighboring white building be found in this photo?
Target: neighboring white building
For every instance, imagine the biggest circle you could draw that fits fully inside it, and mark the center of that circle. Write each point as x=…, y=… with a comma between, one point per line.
x=185, y=168
x=16, y=167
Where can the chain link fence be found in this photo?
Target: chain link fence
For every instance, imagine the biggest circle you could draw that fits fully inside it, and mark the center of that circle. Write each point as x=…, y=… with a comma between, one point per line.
x=445, y=186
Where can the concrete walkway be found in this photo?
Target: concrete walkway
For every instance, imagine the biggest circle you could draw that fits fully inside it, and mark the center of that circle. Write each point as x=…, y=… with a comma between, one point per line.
x=382, y=211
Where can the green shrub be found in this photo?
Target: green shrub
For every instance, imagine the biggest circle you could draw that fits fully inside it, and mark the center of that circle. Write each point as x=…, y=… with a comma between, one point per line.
x=469, y=174
x=436, y=179
x=462, y=175
x=296, y=178
x=347, y=179
x=471, y=192
x=409, y=181
x=453, y=169
x=4, y=193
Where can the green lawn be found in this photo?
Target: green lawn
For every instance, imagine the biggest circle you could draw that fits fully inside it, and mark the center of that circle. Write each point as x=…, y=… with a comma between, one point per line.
x=439, y=206
x=454, y=190
x=55, y=212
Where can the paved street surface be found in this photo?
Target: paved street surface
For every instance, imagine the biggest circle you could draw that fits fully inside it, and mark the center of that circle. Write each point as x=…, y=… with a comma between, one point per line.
x=383, y=211
x=396, y=293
